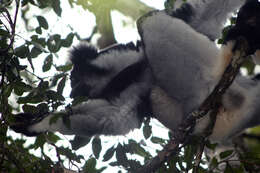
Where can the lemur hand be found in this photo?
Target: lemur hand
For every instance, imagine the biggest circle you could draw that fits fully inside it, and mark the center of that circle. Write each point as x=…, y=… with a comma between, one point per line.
x=247, y=26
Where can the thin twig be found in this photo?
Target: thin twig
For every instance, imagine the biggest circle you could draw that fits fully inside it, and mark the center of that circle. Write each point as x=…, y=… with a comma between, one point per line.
x=199, y=156
x=7, y=16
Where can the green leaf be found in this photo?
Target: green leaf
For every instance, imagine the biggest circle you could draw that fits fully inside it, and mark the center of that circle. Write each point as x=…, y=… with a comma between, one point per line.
x=44, y=3
x=21, y=87
x=79, y=142
x=157, y=140
x=147, y=130
x=56, y=7
x=30, y=99
x=137, y=149
x=38, y=42
x=30, y=109
x=71, y=3
x=8, y=90
x=56, y=78
x=38, y=30
x=64, y=68
x=43, y=85
x=22, y=51
x=40, y=141
x=54, y=43
x=42, y=22
x=4, y=33
x=25, y=2
x=90, y=166
x=67, y=42
x=96, y=147
x=169, y=4
x=79, y=100
x=61, y=85
x=249, y=65
x=47, y=63
x=21, y=67
x=109, y=154
x=224, y=34
x=35, y=52
x=69, y=154
x=101, y=169
x=121, y=155
x=211, y=146
x=225, y=154
x=53, y=95
x=52, y=137
x=214, y=163
x=43, y=107
x=189, y=154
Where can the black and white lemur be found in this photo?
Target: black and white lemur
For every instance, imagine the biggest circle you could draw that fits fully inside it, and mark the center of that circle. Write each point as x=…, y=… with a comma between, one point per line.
x=166, y=75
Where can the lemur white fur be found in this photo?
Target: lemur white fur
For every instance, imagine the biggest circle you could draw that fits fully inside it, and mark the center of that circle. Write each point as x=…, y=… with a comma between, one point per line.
x=186, y=65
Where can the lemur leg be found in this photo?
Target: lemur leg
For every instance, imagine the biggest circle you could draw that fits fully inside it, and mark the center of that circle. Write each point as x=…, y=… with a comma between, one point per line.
x=92, y=118
x=100, y=116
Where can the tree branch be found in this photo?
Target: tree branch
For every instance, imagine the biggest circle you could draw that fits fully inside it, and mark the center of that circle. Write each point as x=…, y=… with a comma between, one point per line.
x=12, y=24
x=199, y=156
